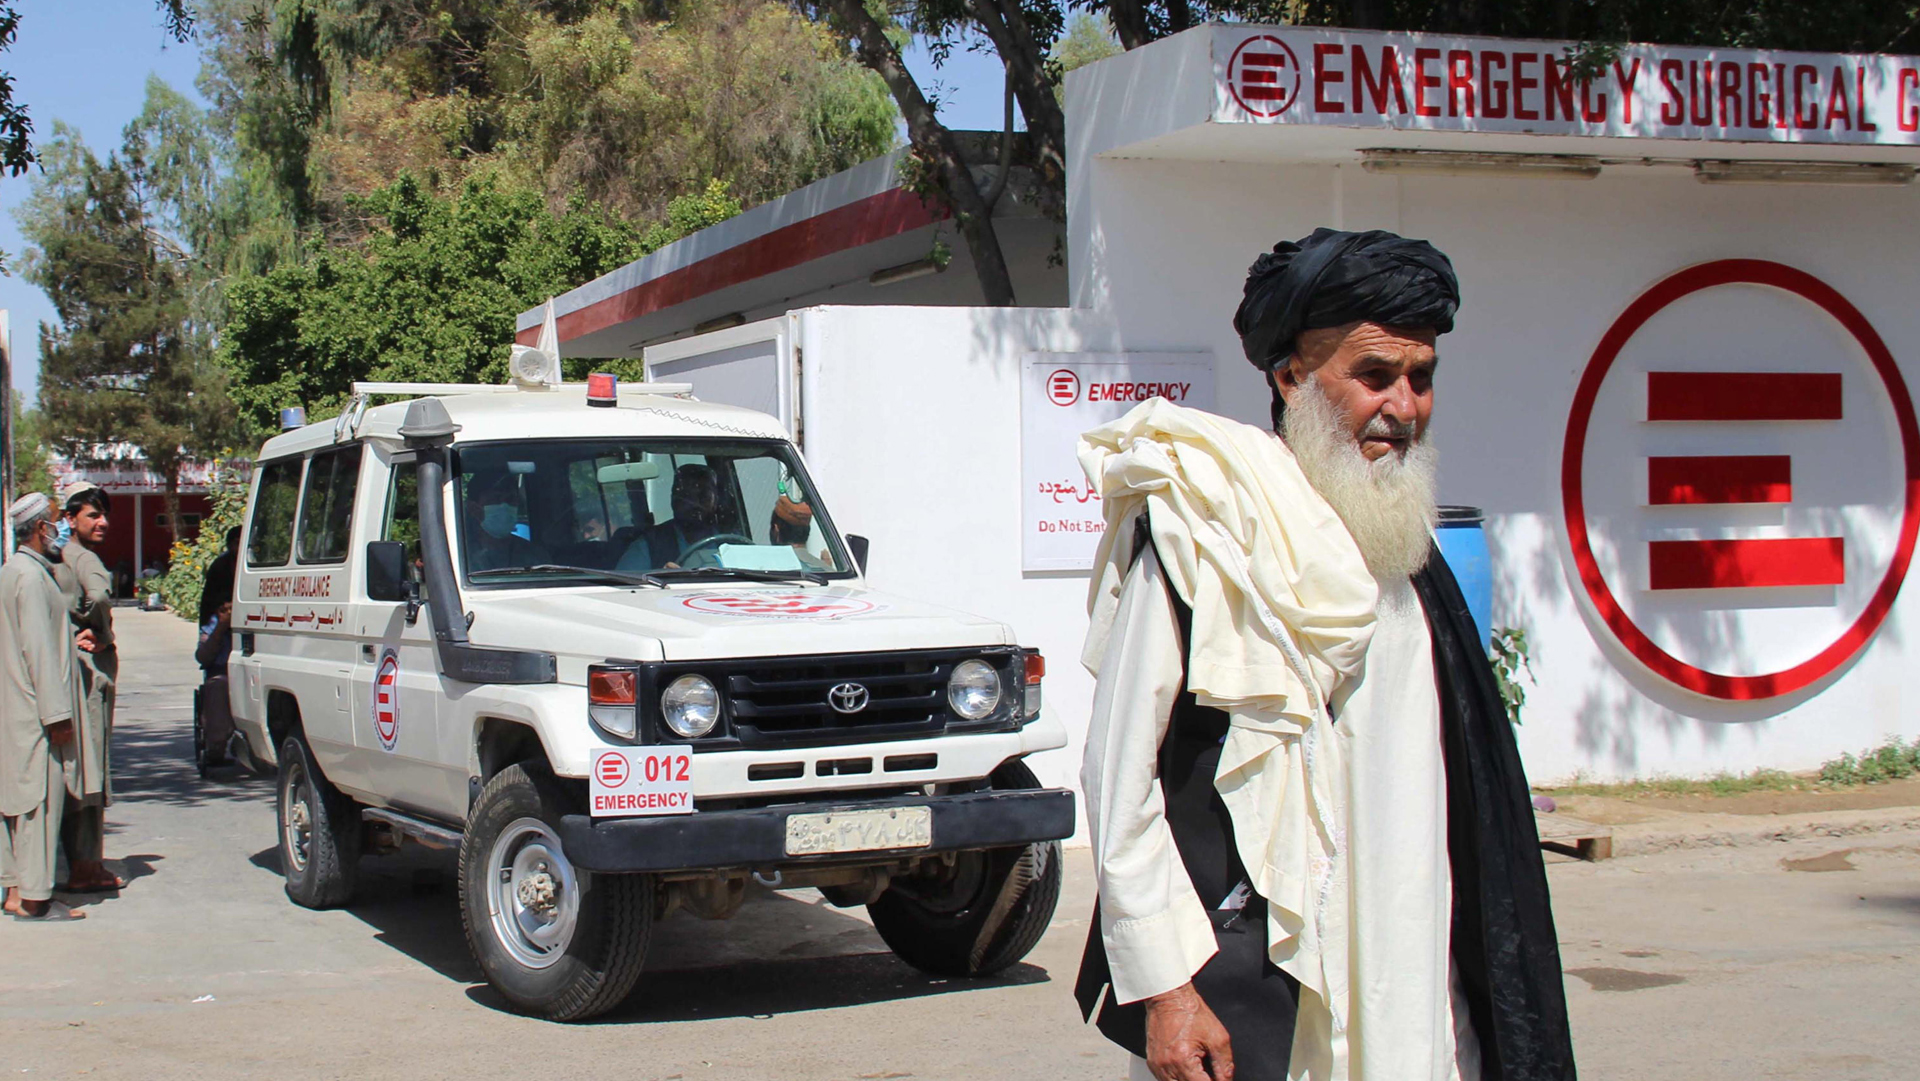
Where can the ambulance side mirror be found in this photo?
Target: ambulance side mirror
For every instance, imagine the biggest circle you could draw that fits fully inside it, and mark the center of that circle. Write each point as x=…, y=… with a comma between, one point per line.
x=857, y=544
x=387, y=571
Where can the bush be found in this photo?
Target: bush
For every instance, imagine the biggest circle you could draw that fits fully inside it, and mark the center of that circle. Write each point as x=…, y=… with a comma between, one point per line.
x=179, y=588
x=1890, y=761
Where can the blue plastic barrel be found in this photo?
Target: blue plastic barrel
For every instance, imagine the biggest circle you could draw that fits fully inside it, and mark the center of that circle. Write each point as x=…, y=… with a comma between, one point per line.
x=1463, y=541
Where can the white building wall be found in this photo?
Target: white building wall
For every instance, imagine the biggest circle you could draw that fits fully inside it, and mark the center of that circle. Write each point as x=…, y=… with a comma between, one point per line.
x=912, y=430
x=1546, y=265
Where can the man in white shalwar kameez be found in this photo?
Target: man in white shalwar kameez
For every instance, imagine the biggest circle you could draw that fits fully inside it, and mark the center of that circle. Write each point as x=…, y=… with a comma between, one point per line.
x=1314, y=852
x=37, y=706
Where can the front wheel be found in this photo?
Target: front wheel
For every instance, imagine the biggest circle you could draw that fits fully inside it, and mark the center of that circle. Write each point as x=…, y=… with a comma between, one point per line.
x=319, y=832
x=557, y=941
x=981, y=914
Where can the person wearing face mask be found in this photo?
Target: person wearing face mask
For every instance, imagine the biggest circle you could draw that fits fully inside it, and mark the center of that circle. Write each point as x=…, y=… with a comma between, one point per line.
x=88, y=589
x=38, y=703
x=492, y=508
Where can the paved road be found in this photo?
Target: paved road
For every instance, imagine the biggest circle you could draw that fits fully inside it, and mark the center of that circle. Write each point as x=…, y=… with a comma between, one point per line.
x=1707, y=966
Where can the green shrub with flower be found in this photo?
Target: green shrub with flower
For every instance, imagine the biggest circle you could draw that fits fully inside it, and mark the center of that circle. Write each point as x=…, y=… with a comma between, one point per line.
x=179, y=588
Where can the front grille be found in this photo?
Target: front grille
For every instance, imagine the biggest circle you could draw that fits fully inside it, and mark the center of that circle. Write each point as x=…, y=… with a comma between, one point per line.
x=785, y=701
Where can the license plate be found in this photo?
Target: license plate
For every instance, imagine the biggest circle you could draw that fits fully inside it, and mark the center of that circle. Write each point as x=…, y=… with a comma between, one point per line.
x=859, y=831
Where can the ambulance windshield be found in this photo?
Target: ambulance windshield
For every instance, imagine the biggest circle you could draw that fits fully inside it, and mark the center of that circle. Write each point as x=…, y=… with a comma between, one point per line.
x=639, y=506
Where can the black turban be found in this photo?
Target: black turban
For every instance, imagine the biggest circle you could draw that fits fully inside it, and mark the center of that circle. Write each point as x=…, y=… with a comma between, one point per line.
x=1333, y=278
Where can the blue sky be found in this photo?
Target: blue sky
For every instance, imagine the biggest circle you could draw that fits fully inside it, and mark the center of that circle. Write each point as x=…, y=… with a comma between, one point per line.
x=86, y=62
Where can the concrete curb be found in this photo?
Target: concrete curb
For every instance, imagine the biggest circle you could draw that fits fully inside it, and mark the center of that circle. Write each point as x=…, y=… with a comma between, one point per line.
x=1748, y=831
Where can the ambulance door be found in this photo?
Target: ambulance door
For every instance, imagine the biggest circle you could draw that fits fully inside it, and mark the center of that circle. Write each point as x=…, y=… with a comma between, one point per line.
x=396, y=684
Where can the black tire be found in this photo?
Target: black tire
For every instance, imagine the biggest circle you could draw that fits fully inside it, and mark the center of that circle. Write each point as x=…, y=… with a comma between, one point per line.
x=576, y=951
x=985, y=914
x=319, y=832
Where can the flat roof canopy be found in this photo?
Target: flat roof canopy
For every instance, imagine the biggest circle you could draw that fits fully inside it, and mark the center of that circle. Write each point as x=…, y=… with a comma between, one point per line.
x=856, y=237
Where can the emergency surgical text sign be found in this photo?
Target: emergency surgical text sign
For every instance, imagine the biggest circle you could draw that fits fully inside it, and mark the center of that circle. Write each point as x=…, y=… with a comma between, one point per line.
x=1430, y=82
x=641, y=781
x=1062, y=395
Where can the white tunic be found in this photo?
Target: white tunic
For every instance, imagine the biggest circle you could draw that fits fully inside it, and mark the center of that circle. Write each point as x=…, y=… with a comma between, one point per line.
x=1154, y=928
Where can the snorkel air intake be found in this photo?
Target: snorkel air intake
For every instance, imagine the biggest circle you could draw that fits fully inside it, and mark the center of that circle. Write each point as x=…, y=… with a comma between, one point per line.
x=429, y=431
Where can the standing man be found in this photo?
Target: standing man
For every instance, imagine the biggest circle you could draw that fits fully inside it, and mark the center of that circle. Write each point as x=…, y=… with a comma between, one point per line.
x=37, y=699
x=88, y=588
x=1314, y=844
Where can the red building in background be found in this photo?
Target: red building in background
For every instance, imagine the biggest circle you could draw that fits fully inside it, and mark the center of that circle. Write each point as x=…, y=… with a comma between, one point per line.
x=139, y=533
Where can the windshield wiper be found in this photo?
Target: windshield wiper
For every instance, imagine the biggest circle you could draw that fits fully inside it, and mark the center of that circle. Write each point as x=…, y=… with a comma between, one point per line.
x=561, y=568
x=814, y=577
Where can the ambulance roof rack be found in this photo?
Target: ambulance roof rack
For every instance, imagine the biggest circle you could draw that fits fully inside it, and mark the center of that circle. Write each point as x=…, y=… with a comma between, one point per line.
x=676, y=390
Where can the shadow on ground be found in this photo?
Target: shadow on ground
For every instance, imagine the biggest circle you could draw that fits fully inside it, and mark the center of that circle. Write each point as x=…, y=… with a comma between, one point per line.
x=745, y=967
x=153, y=763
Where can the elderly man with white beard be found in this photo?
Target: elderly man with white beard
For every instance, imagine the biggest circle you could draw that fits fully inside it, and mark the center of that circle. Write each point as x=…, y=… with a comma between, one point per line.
x=1313, y=839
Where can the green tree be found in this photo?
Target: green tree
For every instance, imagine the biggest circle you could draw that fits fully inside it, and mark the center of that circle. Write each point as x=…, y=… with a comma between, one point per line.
x=630, y=105
x=120, y=366
x=432, y=293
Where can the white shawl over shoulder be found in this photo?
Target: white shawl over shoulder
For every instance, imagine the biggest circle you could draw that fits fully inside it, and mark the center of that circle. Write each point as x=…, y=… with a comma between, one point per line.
x=1283, y=609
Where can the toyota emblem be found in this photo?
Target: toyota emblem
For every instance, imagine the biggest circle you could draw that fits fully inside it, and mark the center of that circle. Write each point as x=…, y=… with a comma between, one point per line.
x=847, y=698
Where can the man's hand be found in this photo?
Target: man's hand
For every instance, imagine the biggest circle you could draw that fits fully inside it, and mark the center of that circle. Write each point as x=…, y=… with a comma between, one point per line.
x=1185, y=1041
x=60, y=733
x=85, y=642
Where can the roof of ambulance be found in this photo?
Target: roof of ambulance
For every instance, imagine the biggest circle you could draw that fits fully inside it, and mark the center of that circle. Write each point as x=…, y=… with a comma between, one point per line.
x=551, y=413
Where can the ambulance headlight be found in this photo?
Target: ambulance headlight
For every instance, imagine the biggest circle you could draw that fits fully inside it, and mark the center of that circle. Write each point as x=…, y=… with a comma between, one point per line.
x=691, y=706
x=973, y=690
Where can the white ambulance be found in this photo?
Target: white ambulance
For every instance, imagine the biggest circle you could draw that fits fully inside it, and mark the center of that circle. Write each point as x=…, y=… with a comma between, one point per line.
x=607, y=642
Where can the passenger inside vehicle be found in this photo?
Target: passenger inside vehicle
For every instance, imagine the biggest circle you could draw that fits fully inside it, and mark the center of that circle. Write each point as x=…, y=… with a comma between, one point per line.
x=492, y=512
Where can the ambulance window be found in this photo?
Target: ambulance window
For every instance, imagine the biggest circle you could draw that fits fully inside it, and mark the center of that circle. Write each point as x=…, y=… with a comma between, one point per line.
x=270, y=533
x=326, y=514
x=403, y=516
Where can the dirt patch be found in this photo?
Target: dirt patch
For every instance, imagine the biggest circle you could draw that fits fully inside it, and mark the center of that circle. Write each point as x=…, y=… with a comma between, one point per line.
x=1831, y=861
x=1620, y=811
x=1624, y=979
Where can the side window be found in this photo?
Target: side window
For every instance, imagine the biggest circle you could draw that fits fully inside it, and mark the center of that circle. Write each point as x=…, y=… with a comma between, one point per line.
x=326, y=515
x=270, y=533
x=403, y=516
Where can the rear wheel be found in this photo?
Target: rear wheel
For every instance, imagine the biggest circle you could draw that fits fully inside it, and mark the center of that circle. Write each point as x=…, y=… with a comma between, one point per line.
x=556, y=940
x=981, y=914
x=319, y=832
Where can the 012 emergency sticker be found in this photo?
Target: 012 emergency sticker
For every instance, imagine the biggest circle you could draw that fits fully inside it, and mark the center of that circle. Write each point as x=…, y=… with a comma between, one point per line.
x=641, y=781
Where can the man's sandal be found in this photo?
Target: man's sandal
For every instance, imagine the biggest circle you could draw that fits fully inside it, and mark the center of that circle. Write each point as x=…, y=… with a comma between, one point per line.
x=55, y=912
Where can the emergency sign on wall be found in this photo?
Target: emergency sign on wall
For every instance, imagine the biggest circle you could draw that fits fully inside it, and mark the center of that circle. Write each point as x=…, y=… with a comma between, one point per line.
x=1063, y=395
x=1740, y=477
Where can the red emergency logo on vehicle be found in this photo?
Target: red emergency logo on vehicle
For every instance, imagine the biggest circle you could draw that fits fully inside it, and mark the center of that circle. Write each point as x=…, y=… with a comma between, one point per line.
x=1264, y=76
x=781, y=605
x=611, y=769
x=386, y=700
x=1063, y=387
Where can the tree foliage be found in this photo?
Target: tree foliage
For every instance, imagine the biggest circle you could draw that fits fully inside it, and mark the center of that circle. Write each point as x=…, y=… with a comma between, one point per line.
x=624, y=103
x=123, y=365
x=432, y=292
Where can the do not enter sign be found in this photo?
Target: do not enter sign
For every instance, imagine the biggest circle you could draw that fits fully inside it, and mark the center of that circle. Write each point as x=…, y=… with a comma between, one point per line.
x=1741, y=479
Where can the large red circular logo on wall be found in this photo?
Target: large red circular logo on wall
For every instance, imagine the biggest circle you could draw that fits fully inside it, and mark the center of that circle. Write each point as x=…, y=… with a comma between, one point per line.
x=1264, y=76
x=1572, y=466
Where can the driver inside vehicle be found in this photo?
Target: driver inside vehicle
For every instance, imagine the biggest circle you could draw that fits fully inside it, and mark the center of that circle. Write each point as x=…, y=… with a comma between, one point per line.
x=492, y=509
x=692, y=537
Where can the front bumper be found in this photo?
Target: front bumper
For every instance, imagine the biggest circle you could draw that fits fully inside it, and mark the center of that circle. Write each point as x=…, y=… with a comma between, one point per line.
x=757, y=837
